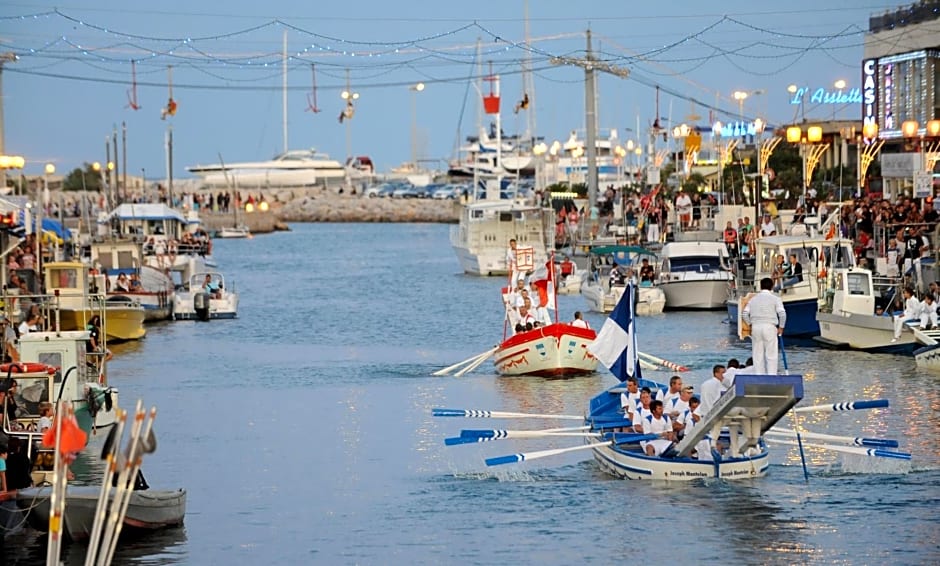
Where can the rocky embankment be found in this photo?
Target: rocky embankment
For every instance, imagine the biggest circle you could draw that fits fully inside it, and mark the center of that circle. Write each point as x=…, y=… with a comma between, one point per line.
x=328, y=206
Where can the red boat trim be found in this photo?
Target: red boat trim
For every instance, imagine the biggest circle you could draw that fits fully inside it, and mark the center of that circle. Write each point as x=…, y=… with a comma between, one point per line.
x=556, y=330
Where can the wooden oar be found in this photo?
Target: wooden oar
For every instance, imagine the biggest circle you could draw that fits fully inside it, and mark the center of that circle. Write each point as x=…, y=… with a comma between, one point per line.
x=796, y=423
x=469, y=360
x=858, y=450
x=146, y=443
x=477, y=363
x=484, y=414
x=108, y=452
x=454, y=441
x=847, y=406
x=852, y=440
x=671, y=365
x=501, y=433
x=522, y=457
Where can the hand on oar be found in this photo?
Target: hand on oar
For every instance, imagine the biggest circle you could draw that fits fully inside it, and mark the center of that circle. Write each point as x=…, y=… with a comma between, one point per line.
x=853, y=440
x=847, y=406
x=483, y=414
x=858, y=450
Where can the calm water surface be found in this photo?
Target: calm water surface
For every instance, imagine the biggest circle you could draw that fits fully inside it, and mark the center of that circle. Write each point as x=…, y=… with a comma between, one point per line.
x=302, y=431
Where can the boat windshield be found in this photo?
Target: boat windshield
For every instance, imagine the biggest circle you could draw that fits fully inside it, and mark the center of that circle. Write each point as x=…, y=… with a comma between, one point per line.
x=695, y=263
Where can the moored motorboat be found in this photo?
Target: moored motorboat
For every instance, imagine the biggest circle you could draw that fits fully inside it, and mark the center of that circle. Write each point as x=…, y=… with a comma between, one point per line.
x=695, y=275
x=602, y=294
x=294, y=168
x=206, y=296
x=143, y=284
x=240, y=231
x=146, y=509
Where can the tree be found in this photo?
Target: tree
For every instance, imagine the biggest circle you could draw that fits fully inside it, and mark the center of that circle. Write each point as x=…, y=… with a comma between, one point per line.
x=79, y=180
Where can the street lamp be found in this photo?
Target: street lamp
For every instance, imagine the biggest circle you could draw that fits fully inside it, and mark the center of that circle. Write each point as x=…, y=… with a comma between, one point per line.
x=10, y=162
x=415, y=89
x=539, y=151
x=716, y=132
x=681, y=132
x=810, y=150
x=40, y=204
x=740, y=96
x=928, y=149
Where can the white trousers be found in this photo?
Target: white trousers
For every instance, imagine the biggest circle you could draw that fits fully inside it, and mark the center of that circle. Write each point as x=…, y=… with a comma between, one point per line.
x=764, y=348
x=928, y=316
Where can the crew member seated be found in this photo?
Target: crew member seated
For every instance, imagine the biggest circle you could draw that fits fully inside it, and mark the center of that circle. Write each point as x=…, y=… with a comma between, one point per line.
x=567, y=267
x=647, y=274
x=617, y=277
x=212, y=287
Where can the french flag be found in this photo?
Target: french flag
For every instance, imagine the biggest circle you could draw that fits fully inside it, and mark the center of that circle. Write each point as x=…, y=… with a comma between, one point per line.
x=615, y=345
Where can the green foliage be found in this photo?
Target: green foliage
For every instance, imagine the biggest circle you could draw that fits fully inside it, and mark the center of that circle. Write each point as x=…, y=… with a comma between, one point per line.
x=79, y=180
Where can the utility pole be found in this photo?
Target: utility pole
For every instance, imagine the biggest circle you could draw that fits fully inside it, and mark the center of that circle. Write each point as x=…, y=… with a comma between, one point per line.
x=590, y=65
x=4, y=58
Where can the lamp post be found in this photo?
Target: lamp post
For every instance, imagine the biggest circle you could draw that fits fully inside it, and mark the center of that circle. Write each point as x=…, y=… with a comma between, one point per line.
x=872, y=145
x=681, y=132
x=10, y=162
x=928, y=152
x=40, y=204
x=415, y=89
x=539, y=150
x=810, y=150
x=716, y=132
x=740, y=96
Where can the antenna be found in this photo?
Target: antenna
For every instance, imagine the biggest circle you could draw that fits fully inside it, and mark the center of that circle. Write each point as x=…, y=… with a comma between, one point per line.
x=312, y=96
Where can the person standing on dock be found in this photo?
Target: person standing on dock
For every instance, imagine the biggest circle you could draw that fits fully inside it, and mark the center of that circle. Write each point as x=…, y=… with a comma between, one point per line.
x=767, y=317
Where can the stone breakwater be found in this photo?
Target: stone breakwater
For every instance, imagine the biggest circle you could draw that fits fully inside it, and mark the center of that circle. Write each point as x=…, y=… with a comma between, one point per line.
x=328, y=206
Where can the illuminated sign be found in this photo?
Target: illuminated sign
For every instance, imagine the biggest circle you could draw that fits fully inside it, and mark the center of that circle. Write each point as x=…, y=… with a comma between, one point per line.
x=822, y=96
x=869, y=92
x=889, y=96
x=738, y=129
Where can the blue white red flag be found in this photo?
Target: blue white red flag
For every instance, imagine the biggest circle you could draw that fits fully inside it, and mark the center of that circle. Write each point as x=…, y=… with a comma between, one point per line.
x=615, y=345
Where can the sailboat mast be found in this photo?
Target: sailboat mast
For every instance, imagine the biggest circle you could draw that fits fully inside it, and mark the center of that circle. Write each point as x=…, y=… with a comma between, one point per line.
x=284, y=93
x=528, y=85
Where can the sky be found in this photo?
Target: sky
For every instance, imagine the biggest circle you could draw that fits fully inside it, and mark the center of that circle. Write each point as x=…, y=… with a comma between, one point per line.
x=70, y=88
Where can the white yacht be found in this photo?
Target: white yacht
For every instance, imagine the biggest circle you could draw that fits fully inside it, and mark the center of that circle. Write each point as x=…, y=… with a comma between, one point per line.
x=295, y=168
x=695, y=275
x=482, y=237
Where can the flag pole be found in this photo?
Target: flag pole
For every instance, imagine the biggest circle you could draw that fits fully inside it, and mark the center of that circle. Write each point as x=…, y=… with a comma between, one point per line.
x=551, y=278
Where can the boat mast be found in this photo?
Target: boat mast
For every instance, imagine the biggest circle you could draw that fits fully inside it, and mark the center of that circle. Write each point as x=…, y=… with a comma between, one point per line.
x=284, y=93
x=528, y=84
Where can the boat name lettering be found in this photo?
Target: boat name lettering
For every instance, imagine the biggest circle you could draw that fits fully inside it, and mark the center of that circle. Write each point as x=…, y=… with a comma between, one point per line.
x=687, y=474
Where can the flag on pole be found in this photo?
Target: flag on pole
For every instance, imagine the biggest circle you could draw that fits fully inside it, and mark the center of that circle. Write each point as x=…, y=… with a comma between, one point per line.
x=615, y=345
x=546, y=288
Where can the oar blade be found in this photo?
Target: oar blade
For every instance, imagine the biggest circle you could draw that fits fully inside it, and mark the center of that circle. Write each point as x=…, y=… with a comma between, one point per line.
x=500, y=460
x=848, y=406
x=457, y=440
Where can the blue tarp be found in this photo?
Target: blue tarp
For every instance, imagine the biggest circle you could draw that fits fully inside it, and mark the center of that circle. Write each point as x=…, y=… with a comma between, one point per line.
x=56, y=227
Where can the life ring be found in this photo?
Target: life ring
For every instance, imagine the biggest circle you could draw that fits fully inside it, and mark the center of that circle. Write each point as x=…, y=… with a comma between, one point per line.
x=27, y=367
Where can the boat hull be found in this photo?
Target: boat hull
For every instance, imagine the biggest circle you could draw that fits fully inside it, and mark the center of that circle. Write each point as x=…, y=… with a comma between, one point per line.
x=649, y=301
x=121, y=323
x=625, y=464
x=709, y=293
x=219, y=309
x=801, y=317
x=555, y=350
x=869, y=333
x=147, y=510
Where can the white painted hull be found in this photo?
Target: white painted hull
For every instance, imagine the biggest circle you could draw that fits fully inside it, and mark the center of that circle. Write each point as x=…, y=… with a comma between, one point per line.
x=862, y=332
x=184, y=309
x=480, y=243
x=236, y=232
x=553, y=350
x=696, y=291
x=928, y=357
x=650, y=300
x=635, y=466
x=569, y=285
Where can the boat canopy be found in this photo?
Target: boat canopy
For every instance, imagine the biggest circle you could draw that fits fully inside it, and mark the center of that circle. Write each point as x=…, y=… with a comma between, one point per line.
x=622, y=254
x=147, y=211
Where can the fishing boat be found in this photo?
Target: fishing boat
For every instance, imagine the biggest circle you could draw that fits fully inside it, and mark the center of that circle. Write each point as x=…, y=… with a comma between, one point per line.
x=79, y=297
x=195, y=301
x=695, y=275
x=294, y=168
x=485, y=227
x=147, y=510
x=602, y=296
x=113, y=258
x=849, y=315
x=818, y=258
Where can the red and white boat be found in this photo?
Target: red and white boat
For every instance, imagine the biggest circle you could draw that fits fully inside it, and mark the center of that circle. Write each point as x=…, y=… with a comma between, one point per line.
x=556, y=349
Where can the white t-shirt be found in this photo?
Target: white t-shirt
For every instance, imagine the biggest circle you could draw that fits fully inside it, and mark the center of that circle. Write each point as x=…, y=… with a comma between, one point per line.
x=629, y=401
x=711, y=392
x=581, y=323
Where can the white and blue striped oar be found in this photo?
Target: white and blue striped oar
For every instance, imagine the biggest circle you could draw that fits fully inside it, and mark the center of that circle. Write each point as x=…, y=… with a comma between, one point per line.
x=482, y=414
x=854, y=440
x=498, y=433
x=522, y=457
x=847, y=406
x=454, y=441
x=859, y=450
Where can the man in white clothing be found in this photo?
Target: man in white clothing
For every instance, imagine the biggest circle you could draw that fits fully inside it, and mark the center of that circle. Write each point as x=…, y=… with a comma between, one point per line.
x=630, y=398
x=767, y=317
x=928, y=312
x=579, y=321
x=669, y=396
x=912, y=310
x=657, y=423
x=712, y=390
x=511, y=256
